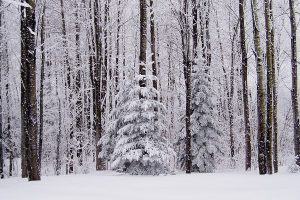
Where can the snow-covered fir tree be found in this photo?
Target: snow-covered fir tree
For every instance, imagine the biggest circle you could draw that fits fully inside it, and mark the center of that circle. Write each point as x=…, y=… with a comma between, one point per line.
x=136, y=138
x=205, y=132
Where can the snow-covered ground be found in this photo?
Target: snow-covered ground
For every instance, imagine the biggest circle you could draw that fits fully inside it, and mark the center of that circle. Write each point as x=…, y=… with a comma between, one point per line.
x=113, y=186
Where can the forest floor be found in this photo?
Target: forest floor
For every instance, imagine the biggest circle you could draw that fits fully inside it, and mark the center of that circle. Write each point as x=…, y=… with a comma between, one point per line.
x=112, y=186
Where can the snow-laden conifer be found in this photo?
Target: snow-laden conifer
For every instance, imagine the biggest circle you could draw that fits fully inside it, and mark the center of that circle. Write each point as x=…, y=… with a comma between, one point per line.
x=136, y=135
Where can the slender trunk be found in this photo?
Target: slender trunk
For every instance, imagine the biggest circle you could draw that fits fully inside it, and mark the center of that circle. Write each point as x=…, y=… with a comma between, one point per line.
x=245, y=86
x=116, y=72
x=143, y=43
x=79, y=97
x=24, y=101
x=58, y=139
x=294, y=91
x=275, y=96
x=269, y=160
x=185, y=37
x=153, y=46
x=97, y=81
x=260, y=92
x=42, y=86
x=231, y=93
x=70, y=163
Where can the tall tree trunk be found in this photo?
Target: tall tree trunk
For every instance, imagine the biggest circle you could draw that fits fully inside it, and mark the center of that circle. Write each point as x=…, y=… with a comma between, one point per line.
x=70, y=163
x=269, y=160
x=294, y=91
x=41, y=130
x=185, y=37
x=231, y=93
x=33, y=164
x=275, y=95
x=24, y=100
x=78, y=92
x=245, y=86
x=143, y=43
x=116, y=72
x=8, y=125
x=97, y=81
x=260, y=92
x=195, y=31
x=153, y=46
x=58, y=138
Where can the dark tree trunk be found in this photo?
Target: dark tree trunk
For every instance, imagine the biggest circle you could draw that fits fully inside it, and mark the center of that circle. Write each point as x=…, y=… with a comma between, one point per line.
x=143, y=43
x=116, y=72
x=245, y=86
x=275, y=96
x=269, y=160
x=295, y=81
x=41, y=130
x=78, y=92
x=33, y=164
x=58, y=138
x=185, y=37
x=97, y=81
x=153, y=46
x=24, y=101
x=70, y=163
x=260, y=92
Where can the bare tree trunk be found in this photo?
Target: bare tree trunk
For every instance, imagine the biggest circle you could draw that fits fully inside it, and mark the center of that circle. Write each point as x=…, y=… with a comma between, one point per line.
x=269, y=160
x=275, y=95
x=143, y=43
x=153, y=45
x=97, y=81
x=33, y=164
x=79, y=97
x=24, y=100
x=245, y=86
x=116, y=72
x=70, y=163
x=185, y=37
x=58, y=138
x=231, y=93
x=260, y=92
x=8, y=129
x=295, y=81
x=42, y=86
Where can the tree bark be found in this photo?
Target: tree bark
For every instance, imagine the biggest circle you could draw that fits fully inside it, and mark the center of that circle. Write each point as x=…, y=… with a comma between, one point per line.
x=185, y=37
x=24, y=101
x=269, y=160
x=275, y=95
x=97, y=81
x=33, y=164
x=260, y=92
x=78, y=92
x=143, y=43
x=58, y=138
x=41, y=130
x=245, y=86
x=294, y=91
x=153, y=46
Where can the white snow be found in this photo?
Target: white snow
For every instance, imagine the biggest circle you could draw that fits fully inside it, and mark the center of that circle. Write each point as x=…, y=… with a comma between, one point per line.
x=112, y=186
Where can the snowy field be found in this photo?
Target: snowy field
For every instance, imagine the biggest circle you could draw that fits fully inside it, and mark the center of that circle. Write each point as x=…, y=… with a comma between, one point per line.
x=113, y=186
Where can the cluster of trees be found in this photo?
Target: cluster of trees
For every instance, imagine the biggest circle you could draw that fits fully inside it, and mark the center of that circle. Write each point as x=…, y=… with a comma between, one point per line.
x=146, y=87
